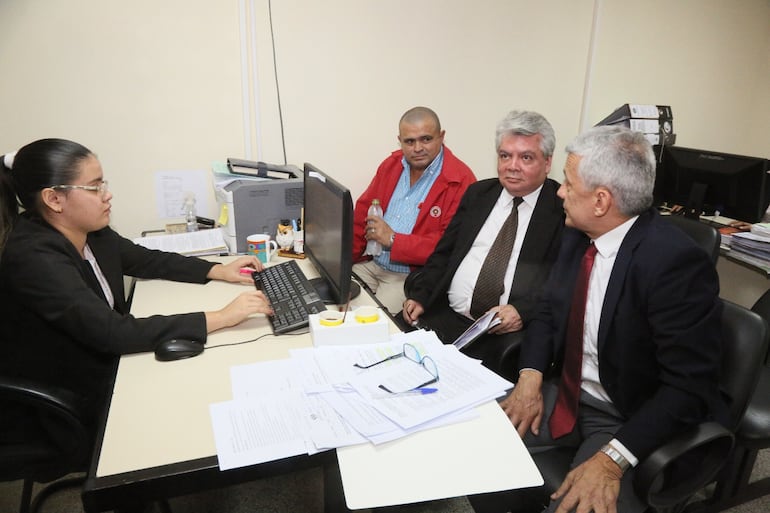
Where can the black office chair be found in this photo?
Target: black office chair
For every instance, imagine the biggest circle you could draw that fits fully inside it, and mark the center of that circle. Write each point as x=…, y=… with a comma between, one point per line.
x=733, y=487
x=706, y=236
x=28, y=449
x=666, y=479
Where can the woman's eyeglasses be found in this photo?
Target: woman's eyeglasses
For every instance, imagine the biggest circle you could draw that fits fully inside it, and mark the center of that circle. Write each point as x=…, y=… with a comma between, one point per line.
x=102, y=188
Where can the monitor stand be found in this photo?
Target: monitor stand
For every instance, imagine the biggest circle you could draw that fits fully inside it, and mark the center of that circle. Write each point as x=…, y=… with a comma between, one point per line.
x=322, y=287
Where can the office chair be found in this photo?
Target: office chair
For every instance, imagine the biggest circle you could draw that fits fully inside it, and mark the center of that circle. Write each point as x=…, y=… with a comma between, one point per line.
x=665, y=480
x=753, y=434
x=28, y=451
x=706, y=236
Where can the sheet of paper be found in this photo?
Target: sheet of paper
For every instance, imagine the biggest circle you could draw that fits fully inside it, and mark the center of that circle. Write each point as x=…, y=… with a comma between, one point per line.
x=328, y=430
x=454, y=418
x=462, y=383
x=259, y=429
x=337, y=362
x=259, y=378
x=325, y=427
x=172, y=186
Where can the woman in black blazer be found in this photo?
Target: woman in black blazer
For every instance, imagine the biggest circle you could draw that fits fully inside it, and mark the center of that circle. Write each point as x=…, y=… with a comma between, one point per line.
x=65, y=319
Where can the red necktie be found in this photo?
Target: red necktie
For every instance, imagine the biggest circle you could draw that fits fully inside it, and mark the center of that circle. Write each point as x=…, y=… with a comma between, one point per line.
x=564, y=414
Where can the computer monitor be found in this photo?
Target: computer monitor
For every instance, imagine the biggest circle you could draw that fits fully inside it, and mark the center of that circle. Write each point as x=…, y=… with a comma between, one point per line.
x=328, y=226
x=708, y=182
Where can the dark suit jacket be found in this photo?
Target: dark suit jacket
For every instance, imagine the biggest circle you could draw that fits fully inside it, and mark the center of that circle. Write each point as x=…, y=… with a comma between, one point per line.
x=57, y=327
x=659, y=334
x=538, y=252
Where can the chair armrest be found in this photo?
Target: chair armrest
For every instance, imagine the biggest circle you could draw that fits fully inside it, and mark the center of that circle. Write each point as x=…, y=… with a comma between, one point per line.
x=684, y=465
x=65, y=424
x=38, y=395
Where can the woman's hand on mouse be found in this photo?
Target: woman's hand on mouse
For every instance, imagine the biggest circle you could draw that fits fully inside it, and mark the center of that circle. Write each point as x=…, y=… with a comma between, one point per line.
x=231, y=272
x=238, y=310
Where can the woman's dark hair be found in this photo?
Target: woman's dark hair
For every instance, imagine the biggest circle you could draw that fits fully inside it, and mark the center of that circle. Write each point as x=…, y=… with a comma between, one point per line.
x=37, y=165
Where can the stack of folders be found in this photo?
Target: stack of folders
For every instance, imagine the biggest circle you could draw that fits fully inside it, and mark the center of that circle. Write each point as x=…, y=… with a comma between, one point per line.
x=755, y=243
x=333, y=396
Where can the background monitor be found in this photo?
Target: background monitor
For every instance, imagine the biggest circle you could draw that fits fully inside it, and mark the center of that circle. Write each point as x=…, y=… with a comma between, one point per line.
x=709, y=182
x=328, y=225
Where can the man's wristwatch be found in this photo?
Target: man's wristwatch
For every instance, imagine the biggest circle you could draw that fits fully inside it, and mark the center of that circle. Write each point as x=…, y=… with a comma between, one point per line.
x=615, y=456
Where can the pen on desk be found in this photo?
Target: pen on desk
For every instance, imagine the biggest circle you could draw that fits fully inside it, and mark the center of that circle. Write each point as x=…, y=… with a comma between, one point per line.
x=416, y=391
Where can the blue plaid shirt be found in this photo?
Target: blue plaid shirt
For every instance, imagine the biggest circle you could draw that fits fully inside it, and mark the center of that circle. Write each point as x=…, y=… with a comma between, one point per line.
x=404, y=206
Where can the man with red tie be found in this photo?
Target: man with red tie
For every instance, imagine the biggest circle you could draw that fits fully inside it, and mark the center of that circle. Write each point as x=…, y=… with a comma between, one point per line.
x=631, y=315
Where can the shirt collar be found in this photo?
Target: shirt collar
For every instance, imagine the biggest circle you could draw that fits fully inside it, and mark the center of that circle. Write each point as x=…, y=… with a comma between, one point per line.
x=433, y=168
x=608, y=244
x=530, y=199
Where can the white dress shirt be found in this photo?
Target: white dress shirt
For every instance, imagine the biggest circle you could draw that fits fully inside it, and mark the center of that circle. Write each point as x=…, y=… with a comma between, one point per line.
x=464, y=281
x=607, y=247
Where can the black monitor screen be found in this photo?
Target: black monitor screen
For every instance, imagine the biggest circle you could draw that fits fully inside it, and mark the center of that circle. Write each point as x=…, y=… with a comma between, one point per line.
x=328, y=225
x=709, y=182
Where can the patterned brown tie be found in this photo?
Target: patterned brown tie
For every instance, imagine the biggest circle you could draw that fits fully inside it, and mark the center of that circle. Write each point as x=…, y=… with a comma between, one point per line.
x=564, y=414
x=489, y=285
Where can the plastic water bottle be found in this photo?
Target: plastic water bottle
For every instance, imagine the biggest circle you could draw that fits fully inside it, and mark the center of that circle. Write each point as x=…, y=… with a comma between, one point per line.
x=190, y=215
x=373, y=247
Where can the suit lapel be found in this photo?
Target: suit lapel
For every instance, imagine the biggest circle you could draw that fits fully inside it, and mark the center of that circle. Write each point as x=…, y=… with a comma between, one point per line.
x=483, y=206
x=619, y=273
x=537, y=238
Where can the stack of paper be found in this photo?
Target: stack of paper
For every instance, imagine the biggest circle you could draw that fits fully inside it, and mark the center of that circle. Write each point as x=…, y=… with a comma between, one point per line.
x=752, y=244
x=318, y=399
x=202, y=242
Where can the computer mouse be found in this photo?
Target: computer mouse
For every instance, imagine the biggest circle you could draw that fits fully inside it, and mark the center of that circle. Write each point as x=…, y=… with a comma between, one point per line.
x=177, y=348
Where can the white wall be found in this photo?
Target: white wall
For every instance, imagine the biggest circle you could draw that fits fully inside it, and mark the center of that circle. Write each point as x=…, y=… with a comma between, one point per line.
x=708, y=59
x=155, y=86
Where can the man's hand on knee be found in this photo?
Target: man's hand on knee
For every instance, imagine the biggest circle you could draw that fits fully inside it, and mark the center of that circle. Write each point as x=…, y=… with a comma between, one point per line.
x=594, y=485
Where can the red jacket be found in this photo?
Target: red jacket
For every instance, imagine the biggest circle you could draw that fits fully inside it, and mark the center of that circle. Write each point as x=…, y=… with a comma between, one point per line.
x=435, y=212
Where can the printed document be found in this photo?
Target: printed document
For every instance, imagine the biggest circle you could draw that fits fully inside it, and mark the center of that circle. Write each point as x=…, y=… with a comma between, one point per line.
x=320, y=399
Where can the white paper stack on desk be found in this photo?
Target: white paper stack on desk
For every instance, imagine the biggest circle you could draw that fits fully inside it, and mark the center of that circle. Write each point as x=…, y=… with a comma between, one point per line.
x=199, y=243
x=752, y=243
x=318, y=399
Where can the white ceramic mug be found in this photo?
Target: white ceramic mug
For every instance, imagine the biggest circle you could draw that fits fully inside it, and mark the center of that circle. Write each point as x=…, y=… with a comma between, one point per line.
x=260, y=246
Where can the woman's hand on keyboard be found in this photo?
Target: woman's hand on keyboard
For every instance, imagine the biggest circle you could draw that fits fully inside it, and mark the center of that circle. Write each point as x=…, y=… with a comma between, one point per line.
x=231, y=272
x=238, y=310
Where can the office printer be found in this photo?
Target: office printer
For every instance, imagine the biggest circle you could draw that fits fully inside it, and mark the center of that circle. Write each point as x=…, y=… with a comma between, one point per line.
x=255, y=205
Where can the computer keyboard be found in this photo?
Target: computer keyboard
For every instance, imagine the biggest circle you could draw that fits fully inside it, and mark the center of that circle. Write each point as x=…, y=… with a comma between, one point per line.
x=292, y=296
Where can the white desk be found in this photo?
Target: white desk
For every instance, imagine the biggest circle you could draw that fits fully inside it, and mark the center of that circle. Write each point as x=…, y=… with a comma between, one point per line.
x=158, y=431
